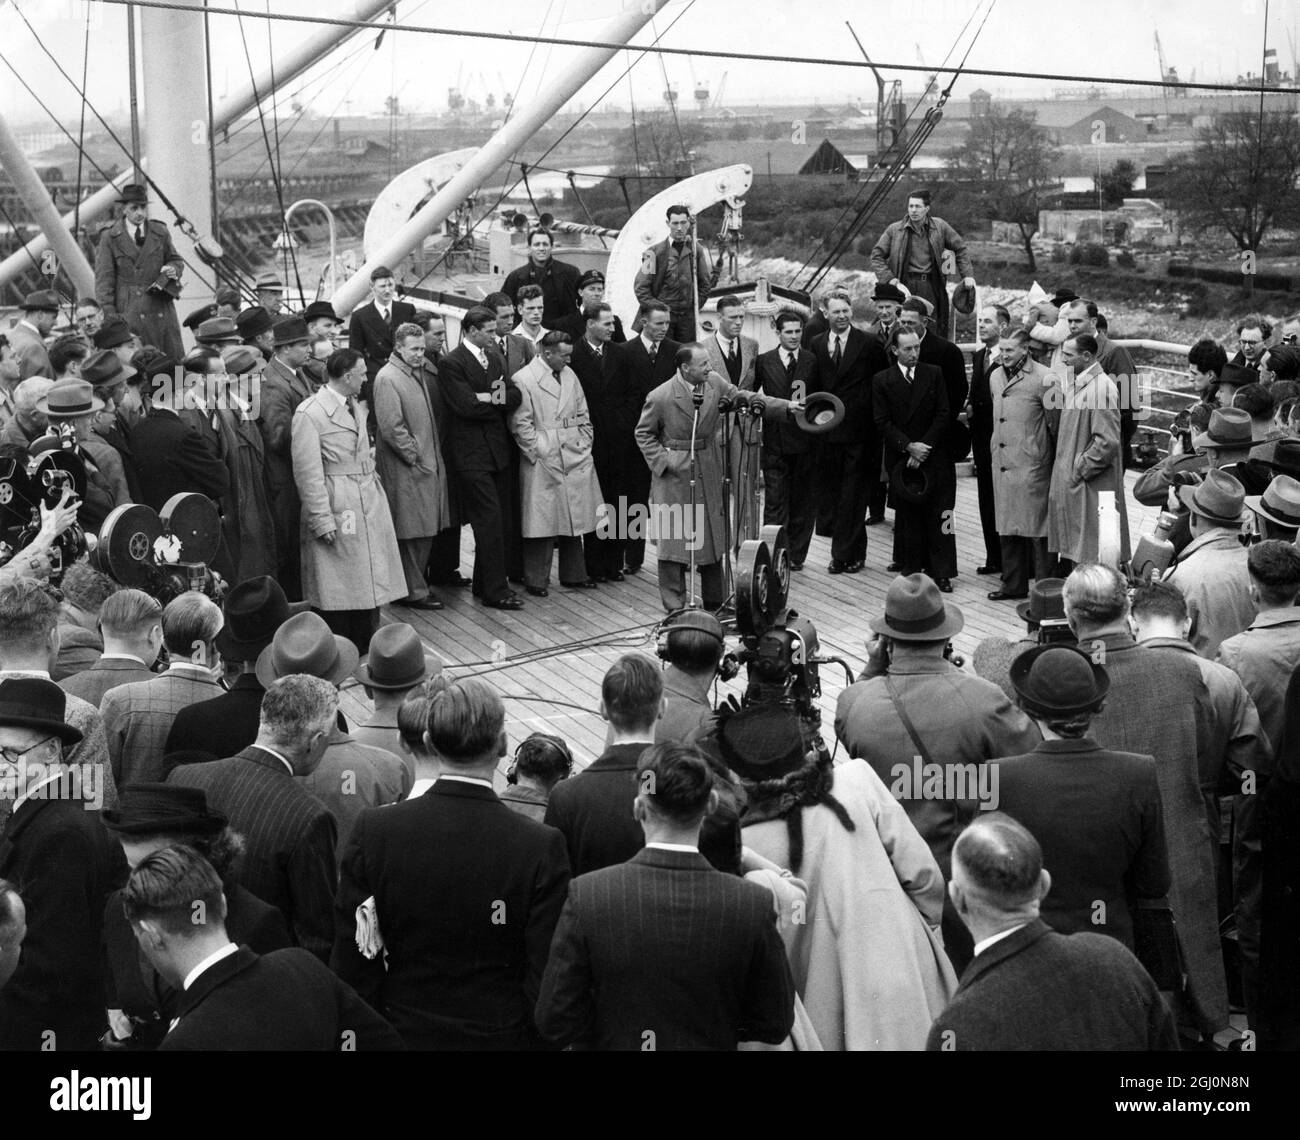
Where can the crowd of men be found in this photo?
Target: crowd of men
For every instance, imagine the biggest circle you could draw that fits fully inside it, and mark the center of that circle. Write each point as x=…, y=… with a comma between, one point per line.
x=1019, y=855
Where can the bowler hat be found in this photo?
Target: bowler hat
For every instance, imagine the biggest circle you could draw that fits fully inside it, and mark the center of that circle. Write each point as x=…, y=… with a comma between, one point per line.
x=318, y=309
x=253, y=321
x=163, y=809
x=762, y=742
x=240, y=358
x=304, y=644
x=217, y=330
x=1046, y=601
x=1280, y=502
x=1064, y=297
x=1059, y=681
x=1229, y=430
x=269, y=281
x=591, y=277
x=254, y=610
x=887, y=292
x=963, y=299
x=42, y=301
x=69, y=398
x=104, y=369
x=113, y=332
x=290, y=330
x=396, y=660
x=133, y=195
x=201, y=314
x=911, y=484
x=34, y=702
x=916, y=611
x=1219, y=499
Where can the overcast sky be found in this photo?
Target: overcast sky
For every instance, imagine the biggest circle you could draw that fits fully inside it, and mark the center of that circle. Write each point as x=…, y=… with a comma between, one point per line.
x=1217, y=38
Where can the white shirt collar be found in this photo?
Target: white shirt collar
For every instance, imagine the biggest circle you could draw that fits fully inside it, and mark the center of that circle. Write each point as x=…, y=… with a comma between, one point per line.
x=211, y=960
x=477, y=352
x=32, y=327
x=674, y=847
x=56, y=774
x=467, y=780
x=25, y=673
x=189, y=666
x=787, y=355
x=274, y=753
x=650, y=346
x=331, y=394
x=981, y=946
x=724, y=343
x=122, y=657
x=420, y=787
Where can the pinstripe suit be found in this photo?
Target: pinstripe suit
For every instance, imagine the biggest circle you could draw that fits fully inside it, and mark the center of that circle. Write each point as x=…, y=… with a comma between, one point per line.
x=138, y=717
x=288, y=835
x=665, y=952
x=91, y=684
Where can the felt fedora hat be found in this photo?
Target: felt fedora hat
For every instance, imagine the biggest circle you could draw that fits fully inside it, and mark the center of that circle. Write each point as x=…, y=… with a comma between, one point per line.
x=254, y=610
x=1046, y=601
x=304, y=644
x=1286, y=457
x=104, y=369
x=916, y=611
x=290, y=330
x=253, y=321
x=69, y=398
x=163, y=809
x=1219, y=499
x=1280, y=502
x=113, y=332
x=397, y=659
x=41, y=301
x=318, y=309
x=34, y=702
x=218, y=330
x=963, y=299
x=1058, y=681
x=133, y=195
x=822, y=412
x=911, y=484
x=1228, y=430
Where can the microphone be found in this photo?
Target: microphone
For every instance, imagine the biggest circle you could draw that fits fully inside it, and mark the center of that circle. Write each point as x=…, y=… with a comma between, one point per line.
x=697, y=396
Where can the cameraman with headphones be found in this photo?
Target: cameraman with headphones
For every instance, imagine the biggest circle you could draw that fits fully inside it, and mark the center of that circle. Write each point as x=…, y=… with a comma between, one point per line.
x=691, y=643
x=540, y=762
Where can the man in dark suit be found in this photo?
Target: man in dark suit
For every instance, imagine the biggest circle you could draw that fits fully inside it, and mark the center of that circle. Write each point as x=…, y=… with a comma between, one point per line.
x=480, y=398
x=56, y=851
x=664, y=952
x=651, y=359
x=234, y=1000
x=558, y=280
x=593, y=810
x=444, y=558
x=169, y=456
x=370, y=329
x=847, y=460
x=1029, y=988
x=1096, y=813
x=945, y=356
x=288, y=833
x=462, y=892
x=788, y=372
x=591, y=291
x=994, y=320
x=226, y=725
x=131, y=622
x=910, y=405
x=600, y=366
x=515, y=353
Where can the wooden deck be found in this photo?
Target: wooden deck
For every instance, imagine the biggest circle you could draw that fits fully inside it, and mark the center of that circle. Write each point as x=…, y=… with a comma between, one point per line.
x=531, y=658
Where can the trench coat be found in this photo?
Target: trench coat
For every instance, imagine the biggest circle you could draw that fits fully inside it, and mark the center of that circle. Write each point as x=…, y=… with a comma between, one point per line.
x=407, y=452
x=664, y=436
x=558, y=488
x=340, y=491
x=1021, y=448
x=123, y=273
x=868, y=961
x=250, y=526
x=1089, y=460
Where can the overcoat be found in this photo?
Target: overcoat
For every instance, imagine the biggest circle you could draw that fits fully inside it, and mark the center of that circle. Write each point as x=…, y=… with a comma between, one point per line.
x=340, y=491
x=123, y=273
x=1024, y=424
x=407, y=452
x=558, y=488
x=250, y=527
x=1089, y=460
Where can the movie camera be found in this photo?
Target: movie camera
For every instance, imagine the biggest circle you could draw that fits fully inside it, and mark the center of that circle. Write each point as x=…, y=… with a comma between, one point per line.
x=54, y=466
x=163, y=553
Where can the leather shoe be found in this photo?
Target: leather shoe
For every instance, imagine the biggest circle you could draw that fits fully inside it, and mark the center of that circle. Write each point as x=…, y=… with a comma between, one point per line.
x=631, y=569
x=989, y=569
x=428, y=603
x=796, y=566
x=509, y=602
x=585, y=584
x=836, y=566
x=1006, y=596
x=456, y=581
x=875, y=520
x=893, y=567
x=853, y=568
x=538, y=591
x=945, y=585
x=614, y=576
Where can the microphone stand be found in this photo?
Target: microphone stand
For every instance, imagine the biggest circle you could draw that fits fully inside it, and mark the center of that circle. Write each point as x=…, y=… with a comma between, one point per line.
x=697, y=398
x=695, y=284
x=727, y=586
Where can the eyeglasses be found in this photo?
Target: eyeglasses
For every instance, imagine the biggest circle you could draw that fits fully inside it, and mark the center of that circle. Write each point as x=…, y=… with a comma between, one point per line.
x=14, y=756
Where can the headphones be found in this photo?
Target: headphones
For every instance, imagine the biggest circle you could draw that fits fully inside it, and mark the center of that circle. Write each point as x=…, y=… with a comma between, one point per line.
x=700, y=621
x=543, y=740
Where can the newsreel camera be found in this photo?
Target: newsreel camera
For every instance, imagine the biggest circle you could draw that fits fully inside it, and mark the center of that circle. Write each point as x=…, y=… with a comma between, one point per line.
x=42, y=479
x=163, y=554
x=779, y=646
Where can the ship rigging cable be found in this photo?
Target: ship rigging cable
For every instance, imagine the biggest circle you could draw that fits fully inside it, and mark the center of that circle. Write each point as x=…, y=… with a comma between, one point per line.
x=705, y=53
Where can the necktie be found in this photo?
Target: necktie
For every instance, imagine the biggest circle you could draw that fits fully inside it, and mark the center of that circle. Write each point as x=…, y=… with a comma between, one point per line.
x=731, y=352
x=654, y=348
x=679, y=246
x=502, y=342
x=907, y=373
x=835, y=356
x=790, y=361
x=352, y=407
x=139, y=235
x=383, y=313
x=556, y=375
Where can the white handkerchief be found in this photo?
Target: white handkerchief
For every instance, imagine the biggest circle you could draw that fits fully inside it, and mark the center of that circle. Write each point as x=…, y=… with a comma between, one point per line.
x=369, y=941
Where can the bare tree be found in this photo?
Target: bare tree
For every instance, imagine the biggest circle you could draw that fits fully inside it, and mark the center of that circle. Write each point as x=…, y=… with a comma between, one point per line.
x=1240, y=177
x=1010, y=165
